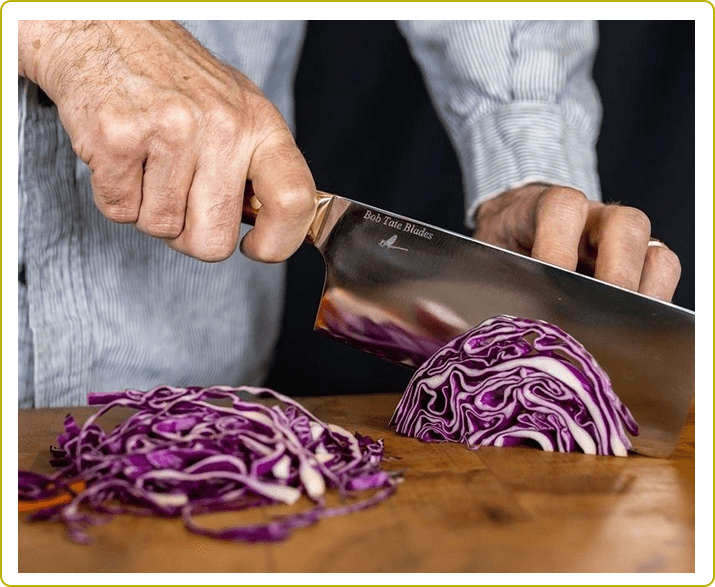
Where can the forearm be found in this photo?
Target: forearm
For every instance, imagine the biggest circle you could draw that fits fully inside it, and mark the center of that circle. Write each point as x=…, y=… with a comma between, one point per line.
x=516, y=98
x=61, y=56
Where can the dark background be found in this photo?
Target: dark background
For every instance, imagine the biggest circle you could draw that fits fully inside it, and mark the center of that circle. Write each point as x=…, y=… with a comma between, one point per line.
x=369, y=132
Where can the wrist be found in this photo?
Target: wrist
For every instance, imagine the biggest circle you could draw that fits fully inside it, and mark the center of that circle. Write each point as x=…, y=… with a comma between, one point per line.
x=29, y=46
x=44, y=46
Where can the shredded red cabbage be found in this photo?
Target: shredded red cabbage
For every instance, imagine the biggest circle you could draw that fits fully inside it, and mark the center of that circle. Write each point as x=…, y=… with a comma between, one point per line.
x=513, y=381
x=181, y=455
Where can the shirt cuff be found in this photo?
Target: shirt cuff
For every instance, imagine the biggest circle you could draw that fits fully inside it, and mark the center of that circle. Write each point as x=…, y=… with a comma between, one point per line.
x=521, y=143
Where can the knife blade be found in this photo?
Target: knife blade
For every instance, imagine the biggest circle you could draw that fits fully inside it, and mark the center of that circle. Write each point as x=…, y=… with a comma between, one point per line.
x=400, y=289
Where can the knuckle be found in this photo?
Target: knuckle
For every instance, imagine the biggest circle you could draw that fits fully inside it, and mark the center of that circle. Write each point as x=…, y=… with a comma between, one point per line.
x=623, y=278
x=559, y=256
x=223, y=213
x=216, y=237
x=164, y=227
x=224, y=122
x=215, y=250
x=566, y=200
x=207, y=245
x=116, y=206
x=119, y=136
x=631, y=219
x=176, y=122
x=296, y=203
x=162, y=210
x=567, y=195
x=120, y=215
x=666, y=259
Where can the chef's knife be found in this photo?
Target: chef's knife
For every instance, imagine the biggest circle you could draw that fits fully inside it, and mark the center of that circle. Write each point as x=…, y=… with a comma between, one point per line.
x=400, y=289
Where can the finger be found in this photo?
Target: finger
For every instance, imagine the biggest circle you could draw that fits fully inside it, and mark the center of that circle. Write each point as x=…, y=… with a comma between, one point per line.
x=560, y=217
x=117, y=187
x=620, y=236
x=213, y=209
x=284, y=185
x=168, y=173
x=661, y=272
x=115, y=152
x=165, y=186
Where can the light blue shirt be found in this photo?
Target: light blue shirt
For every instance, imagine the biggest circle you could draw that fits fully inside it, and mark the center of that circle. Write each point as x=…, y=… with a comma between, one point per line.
x=106, y=307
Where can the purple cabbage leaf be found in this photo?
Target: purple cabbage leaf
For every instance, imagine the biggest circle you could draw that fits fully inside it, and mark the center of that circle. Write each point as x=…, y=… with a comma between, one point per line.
x=512, y=381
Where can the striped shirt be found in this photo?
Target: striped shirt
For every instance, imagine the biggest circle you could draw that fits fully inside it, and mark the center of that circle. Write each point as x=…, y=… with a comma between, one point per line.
x=103, y=307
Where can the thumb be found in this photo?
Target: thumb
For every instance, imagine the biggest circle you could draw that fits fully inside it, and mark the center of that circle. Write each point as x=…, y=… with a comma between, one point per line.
x=282, y=182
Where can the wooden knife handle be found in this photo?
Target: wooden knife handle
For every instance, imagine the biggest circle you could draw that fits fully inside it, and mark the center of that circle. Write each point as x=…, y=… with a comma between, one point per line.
x=251, y=205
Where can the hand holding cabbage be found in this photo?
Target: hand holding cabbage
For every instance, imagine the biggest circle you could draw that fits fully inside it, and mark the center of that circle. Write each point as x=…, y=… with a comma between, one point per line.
x=560, y=226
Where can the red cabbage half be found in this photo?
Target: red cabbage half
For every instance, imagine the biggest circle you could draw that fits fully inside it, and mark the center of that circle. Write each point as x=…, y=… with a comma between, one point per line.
x=181, y=455
x=513, y=381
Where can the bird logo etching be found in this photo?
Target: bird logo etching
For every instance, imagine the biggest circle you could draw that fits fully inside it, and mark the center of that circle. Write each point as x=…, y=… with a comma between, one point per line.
x=390, y=243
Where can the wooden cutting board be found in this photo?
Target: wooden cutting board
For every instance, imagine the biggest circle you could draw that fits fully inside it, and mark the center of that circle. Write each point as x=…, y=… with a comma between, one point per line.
x=491, y=510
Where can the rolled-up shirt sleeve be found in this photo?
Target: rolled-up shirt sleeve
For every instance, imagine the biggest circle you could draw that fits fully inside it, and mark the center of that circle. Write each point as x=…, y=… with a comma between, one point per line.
x=517, y=99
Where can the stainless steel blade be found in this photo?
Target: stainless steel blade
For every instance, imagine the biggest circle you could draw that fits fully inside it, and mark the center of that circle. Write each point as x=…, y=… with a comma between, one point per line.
x=399, y=289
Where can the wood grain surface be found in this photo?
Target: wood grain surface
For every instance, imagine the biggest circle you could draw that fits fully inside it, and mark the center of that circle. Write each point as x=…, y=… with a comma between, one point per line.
x=491, y=510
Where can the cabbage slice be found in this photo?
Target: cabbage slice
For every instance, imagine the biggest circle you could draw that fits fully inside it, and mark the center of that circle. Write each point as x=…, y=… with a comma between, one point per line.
x=512, y=381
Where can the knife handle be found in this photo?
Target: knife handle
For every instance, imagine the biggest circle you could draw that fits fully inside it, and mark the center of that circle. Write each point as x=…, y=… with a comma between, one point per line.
x=251, y=205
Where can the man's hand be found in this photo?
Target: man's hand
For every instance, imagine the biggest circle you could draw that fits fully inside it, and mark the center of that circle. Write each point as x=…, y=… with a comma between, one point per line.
x=560, y=226
x=171, y=134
